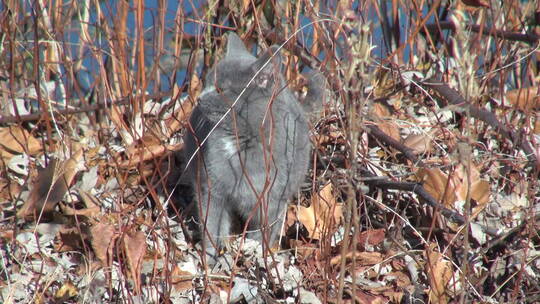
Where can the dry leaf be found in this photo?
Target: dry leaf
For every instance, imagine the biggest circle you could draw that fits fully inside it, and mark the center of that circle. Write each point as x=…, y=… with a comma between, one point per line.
x=380, y=111
x=9, y=190
x=371, y=237
x=525, y=99
x=394, y=296
x=69, y=239
x=103, y=236
x=362, y=258
x=381, y=115
x=180, y=116
x=436, y=183
x=16, y=140
x=135, y=249
x=419, y=143
x=480, y=189
x=363, y=297
x=67, y=291
x=480, y=193
x=323, y=215
x=402, y=279
x=50, y=186
x=439, y=272
x=181, y=280
x=134, y=156
x=390, y=128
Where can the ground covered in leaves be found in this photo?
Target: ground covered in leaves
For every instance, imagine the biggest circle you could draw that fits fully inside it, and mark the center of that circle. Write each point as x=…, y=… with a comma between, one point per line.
x=423, y=186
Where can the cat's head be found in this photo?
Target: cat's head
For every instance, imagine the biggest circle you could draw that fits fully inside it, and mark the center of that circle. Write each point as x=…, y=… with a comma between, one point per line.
x=239, y=67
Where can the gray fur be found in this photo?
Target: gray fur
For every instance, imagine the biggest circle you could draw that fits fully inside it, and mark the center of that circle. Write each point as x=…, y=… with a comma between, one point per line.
x=254, y=160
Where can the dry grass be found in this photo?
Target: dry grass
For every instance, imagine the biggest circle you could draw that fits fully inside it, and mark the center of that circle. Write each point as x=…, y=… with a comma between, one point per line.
x=424, y=184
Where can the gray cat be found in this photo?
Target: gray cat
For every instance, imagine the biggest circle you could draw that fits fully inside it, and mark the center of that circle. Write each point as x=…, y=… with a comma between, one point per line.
x=248, y=147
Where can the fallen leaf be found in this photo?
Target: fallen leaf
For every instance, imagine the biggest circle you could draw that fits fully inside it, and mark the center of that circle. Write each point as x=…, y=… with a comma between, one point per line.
x=389, y=128
x=91, y=206
x=419, y=143
x=66, y=292
x=362, y=258
x=137, y=154
x=181, y=280
x=384, y=121
x=8, y=190
x=135, y=249
x=394, y=296
x=69, y=239
x=363, y=297
x=436, y=184
x=439, y=272
x=16, y=140
x=50, y=186
x=323, y=215
x=371, y=237
x=103, y=236
x=525, y=99
x=380, y=111
x=450, y=190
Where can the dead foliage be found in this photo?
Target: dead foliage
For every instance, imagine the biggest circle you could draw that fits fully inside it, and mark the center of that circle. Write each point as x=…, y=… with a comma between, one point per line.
x=424, y=179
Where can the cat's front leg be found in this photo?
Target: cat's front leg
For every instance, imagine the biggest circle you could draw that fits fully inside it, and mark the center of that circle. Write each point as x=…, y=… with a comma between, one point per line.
x=216, y=224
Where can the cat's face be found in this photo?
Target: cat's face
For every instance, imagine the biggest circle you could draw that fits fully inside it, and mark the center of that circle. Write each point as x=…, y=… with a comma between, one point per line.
x=239, y=67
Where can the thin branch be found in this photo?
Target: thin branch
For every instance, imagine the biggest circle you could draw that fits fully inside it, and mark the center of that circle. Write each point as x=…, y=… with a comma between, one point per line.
x=86, y=108
x=418, y=189
x=454, y=98
x=530, y=38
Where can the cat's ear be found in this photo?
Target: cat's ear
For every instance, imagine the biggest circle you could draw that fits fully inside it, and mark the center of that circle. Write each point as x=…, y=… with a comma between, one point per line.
x=235, y=46
x=266, y=67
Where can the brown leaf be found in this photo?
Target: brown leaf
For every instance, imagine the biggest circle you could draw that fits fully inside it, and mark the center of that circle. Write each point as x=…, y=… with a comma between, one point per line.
x=91, y=206
x=67, y=291
x=370, y=237
x=323, y=215
x=181, y=280
x=362, y=258
x=137, y=153
x=525, y=99
x=401, y=279
x=8, y=190
x=69, y=239
x=367, y=298
x=419, y=143
x=480, y=189
x=380, y=111
x=394, y=296
x=135, y=249
x=390, y=128
x=439, y=272
x=435, y=183
x=383, y=120
x=16, y=140
x=181, y=115
x=103, y=236
x=50, y=186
